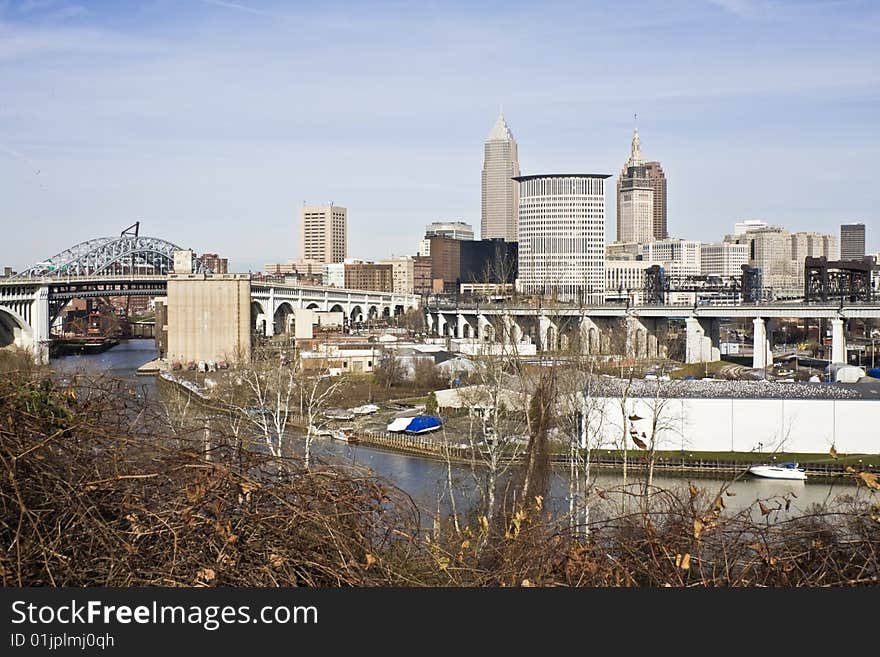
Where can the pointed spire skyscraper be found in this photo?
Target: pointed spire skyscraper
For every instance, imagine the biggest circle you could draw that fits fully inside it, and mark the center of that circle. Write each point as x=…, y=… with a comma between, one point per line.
x=635, y=152
x=500, y=192
x=641, y=198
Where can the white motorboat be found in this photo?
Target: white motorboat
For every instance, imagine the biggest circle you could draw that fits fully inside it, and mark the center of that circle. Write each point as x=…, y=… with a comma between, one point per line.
x=320, y=431
x=338, y=414
x=366, y=409
x=789, y=471
x=345, y=434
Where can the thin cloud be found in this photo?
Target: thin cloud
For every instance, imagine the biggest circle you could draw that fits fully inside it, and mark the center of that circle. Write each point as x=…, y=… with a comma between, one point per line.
x=244, y=8
x=17, y=41
x=66, y=12
x=741, y=8
x=17, y=155
x=29, y=6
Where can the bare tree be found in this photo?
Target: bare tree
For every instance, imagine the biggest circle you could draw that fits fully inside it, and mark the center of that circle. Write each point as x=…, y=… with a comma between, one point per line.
x=271, y=389
x=315, y=392
x=426, y=374
x=540, y=419
x=664, y=421
x=414, y=320
x=497, y=402
x=389, y=369
x=582, y=416
x=626, y=423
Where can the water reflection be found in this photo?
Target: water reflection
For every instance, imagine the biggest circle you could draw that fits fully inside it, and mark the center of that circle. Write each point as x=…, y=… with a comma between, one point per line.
x=426, y=481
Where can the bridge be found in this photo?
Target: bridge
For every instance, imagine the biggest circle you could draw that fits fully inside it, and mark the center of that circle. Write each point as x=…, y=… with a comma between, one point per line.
x=278, y=301
x=634, y=330
x=135, y=265
x=131, y=264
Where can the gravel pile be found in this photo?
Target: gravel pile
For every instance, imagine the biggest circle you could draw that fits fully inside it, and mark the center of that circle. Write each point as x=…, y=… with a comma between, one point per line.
x=740, y=389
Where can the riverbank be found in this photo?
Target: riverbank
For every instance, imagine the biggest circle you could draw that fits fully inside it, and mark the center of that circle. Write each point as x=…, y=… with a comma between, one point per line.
x=689, y=464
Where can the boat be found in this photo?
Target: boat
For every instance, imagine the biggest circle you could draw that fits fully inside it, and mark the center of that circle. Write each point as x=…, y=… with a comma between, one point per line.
x=416, y=425
x=338, y=414
x=366, y=409
x=787, y=470
x=345, y=434
x=320, y=431
x=399, y=424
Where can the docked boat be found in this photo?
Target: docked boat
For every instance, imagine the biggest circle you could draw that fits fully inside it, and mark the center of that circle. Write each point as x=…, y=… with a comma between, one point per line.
x=417, y=424
x=338, y=414
x=345, y=434
x=320, y=431
x=788, y=470
x=366, y=409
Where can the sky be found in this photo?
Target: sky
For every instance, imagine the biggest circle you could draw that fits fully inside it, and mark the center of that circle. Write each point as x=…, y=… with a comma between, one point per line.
x=212, y=121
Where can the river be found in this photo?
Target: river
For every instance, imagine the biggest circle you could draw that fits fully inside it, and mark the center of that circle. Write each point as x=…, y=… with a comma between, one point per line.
x=425, y=479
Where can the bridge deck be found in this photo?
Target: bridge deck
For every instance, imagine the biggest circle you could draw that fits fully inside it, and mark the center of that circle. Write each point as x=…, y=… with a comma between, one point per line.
x=814, y=311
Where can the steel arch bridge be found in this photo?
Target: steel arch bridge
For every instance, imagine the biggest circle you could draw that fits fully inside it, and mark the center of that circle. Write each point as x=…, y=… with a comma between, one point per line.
x=127, y=254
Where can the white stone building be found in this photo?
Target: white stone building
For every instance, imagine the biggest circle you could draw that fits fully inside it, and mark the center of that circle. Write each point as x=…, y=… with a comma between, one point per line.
x=678, y=257
x=625, y=280
x=334, y=274
x=723, y=259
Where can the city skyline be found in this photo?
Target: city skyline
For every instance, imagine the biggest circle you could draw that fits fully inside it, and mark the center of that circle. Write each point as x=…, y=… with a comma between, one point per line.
x=186, y=118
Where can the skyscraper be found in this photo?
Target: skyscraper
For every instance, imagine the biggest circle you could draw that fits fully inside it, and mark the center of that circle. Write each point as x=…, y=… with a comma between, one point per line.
x=562, y=236
x=852, y=241
x=635, y=197
x=658, y=183
x=500, y=201
x=323, y=233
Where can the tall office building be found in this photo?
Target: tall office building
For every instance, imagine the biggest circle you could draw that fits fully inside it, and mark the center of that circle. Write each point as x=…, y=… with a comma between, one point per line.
x=852, y=241
x=323, y=233
x=641, y=198
x=635, y=198
x=562, y=236
x=500, y=166
x=658, y=184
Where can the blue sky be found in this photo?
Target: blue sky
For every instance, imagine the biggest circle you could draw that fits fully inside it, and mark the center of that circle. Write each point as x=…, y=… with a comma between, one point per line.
x=212, y=121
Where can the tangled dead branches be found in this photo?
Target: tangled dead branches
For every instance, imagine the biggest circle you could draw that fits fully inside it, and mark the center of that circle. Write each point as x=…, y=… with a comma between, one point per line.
x=84, y=502
x=97, y=490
